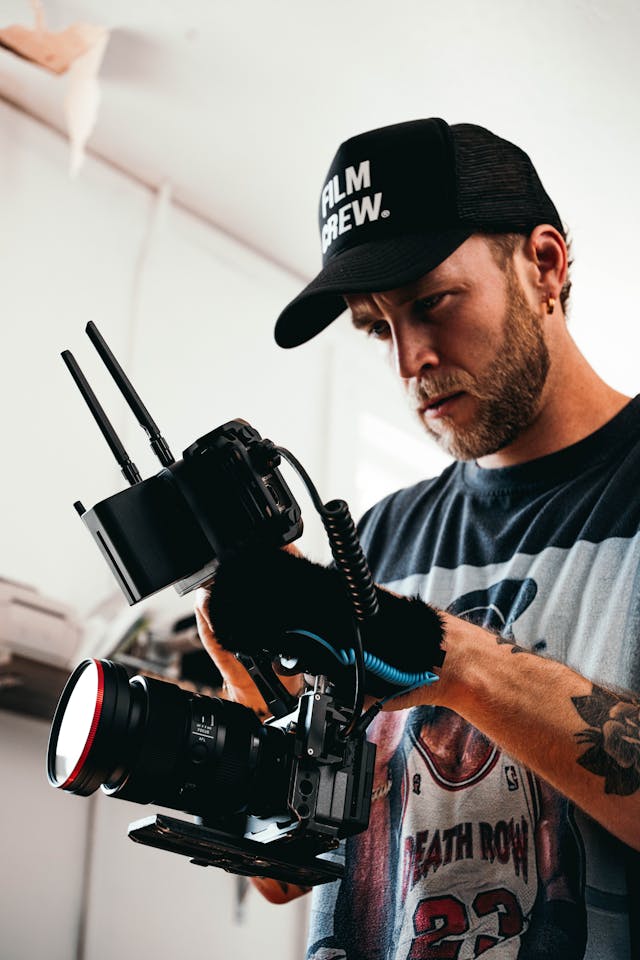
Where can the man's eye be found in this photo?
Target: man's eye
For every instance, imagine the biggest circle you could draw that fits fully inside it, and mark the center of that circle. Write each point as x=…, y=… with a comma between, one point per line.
x=428, y=303
x=378, y=330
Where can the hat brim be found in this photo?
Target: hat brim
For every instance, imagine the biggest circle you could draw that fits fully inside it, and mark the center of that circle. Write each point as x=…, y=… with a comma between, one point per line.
x=368, y=268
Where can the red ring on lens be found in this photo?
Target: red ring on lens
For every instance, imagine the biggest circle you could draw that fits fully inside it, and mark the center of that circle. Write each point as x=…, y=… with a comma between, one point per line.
x=97, y=710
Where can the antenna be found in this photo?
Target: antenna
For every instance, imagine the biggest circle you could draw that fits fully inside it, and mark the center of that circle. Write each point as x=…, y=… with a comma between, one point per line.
x=125, y=463
x=158, y=443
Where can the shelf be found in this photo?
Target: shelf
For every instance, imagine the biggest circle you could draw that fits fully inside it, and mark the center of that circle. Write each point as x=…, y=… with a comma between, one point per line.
x=30, y=687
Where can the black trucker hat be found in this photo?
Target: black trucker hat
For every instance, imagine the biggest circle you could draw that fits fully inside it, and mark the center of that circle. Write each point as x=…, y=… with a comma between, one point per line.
x=399, y=200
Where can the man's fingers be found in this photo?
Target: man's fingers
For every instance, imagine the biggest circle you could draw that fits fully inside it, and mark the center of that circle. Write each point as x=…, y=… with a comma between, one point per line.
x=202, y=604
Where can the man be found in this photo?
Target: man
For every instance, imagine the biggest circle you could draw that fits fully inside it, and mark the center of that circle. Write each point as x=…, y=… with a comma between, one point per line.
x=506, y=804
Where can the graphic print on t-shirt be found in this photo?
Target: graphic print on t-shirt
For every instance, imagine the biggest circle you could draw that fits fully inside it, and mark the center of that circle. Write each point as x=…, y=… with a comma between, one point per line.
x=484, y=858
x=477, y=867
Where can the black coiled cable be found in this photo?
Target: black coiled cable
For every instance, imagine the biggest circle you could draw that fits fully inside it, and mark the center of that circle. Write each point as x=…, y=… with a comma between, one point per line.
x=349, y=557
x=351, y=561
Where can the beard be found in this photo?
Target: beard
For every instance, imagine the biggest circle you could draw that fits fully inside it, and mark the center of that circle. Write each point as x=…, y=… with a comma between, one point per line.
x=507, y=392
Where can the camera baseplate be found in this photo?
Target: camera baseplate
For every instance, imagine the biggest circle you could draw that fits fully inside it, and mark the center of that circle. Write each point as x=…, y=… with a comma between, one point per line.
x=289, y=860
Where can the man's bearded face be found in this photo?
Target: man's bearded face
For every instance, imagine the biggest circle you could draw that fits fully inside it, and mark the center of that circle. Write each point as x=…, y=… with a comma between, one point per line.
x=506, y=393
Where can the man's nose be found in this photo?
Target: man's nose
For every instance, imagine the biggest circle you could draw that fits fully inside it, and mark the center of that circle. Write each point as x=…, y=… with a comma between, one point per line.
x=413, y=351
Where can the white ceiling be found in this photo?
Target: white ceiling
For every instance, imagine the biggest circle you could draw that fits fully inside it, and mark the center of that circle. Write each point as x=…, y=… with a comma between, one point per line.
x=240, y=104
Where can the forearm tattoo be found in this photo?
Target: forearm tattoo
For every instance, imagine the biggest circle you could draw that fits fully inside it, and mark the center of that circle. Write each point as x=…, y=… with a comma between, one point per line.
x=613, y=739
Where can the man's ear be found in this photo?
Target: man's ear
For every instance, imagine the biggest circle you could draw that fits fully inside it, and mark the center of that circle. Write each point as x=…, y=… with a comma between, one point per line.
x=546, y=250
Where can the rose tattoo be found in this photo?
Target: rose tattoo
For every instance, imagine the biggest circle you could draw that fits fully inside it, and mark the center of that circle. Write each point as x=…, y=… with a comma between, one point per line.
x=613, y=738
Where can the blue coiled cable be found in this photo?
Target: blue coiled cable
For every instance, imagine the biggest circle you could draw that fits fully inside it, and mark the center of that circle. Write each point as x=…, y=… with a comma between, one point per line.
x=374, y=665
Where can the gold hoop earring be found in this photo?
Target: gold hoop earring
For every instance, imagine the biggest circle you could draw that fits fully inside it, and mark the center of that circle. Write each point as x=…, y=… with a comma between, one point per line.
x=551, y=304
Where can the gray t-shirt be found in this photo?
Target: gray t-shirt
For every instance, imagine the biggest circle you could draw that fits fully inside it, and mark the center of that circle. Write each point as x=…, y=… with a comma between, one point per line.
x=467, y=853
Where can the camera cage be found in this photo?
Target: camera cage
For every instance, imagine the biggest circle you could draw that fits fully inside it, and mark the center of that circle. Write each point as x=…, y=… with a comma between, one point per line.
x=329, y=798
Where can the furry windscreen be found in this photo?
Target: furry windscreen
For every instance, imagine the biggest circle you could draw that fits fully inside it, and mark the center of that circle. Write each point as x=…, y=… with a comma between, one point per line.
x=259, y=596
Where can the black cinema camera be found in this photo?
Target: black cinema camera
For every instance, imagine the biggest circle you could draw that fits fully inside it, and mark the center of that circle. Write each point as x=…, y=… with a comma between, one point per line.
x=269, y=798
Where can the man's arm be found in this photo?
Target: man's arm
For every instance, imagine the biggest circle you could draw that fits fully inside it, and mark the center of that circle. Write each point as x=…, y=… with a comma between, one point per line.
x=582, y=739
x=238, y=686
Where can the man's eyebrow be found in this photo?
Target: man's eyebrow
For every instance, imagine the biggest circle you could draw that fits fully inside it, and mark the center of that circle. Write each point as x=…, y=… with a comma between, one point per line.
x=361, y=320
x=362, y=317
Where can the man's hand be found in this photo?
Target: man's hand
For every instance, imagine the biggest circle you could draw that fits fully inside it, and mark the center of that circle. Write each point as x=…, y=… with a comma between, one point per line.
x=238, y=685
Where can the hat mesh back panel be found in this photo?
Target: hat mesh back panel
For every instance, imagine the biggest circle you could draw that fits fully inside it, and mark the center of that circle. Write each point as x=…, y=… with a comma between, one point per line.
x=498, y=186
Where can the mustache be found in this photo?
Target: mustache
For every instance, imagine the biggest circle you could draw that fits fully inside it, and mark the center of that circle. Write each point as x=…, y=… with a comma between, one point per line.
x=426, y=389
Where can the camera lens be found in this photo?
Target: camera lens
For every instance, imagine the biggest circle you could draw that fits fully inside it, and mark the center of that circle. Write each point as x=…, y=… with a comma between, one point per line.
x=78, y=725
x=91, y=729
x=147, y=741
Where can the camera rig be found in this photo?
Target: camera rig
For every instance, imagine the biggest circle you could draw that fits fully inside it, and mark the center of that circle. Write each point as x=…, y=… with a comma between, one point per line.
x=269, y=798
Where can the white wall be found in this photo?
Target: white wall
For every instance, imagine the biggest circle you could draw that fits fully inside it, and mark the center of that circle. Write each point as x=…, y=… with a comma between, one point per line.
x=151, y=905
x=42, y=850
x=190, y=314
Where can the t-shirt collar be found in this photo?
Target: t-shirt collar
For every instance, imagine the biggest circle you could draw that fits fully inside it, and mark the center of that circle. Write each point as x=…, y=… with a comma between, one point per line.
x=564, y=464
